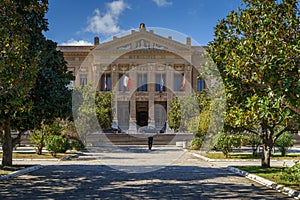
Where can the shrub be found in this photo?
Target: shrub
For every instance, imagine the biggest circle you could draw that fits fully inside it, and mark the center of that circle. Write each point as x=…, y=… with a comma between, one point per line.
x=291, y=174
x=226, y=142
x=253, y=140
x=56, y=144
x=55, y=137
x=77, y=145
x=103, y=109
x=38, y=138
x=200, y=124
x=285, y=141
x=68, y=129
x=174, y=115
x=196, y=143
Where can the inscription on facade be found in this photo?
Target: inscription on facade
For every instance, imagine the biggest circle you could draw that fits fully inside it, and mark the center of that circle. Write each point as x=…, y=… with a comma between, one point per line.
x=146, y=57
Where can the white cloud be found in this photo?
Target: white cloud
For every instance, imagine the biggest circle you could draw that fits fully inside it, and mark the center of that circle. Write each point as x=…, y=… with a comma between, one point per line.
x=73, y=42
x=107, y=23
x=161, y=3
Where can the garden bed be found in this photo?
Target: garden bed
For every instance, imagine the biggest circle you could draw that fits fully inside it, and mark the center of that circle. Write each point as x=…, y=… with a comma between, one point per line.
x=272, y=174
x=276, y=156
x=33, y=155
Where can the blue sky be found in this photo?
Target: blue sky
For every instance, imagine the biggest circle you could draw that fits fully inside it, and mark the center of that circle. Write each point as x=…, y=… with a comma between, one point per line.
x=77, y=22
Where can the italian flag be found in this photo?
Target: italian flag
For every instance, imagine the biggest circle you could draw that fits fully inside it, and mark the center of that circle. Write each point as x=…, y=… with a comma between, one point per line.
x=183, y=83
x=127, y=82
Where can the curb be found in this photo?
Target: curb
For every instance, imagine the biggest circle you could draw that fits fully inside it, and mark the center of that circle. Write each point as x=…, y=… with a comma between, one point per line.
x=221, y=160
x=20, y=172
x=69, y=157
x=203, y=157
x=35, y=159
x=270, y=184
x=46, y=159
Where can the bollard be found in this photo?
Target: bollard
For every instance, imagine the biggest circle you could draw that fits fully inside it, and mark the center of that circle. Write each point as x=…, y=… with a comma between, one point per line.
x=150, y=142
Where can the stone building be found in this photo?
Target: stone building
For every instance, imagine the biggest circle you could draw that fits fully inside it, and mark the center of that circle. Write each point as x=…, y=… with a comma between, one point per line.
x=144, y=70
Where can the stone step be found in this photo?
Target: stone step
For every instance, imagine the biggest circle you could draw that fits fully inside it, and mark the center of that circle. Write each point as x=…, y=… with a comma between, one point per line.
x=137, y=139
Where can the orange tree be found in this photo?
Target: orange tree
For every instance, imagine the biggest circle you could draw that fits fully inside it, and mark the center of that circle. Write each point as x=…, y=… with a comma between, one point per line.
x=256, y=50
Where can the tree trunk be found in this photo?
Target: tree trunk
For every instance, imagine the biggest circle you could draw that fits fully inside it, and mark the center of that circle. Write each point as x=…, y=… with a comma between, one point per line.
x=17, y=140
x=42, y=144
x=254, y=150
x=283, y=151
x=39, y=150
x=266, y=155
x=7, y=146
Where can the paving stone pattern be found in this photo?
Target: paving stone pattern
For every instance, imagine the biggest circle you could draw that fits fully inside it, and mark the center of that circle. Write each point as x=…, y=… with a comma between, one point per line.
x=187, y=177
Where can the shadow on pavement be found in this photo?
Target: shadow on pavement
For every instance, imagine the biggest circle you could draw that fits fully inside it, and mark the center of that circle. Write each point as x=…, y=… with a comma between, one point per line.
x=102, y=182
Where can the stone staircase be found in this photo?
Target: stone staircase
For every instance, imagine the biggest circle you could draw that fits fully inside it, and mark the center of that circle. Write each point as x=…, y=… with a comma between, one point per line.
x=135, y=139
x=96, y=139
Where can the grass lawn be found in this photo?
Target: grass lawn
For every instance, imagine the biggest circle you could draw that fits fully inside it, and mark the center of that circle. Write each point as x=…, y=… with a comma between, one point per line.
x=272, y=174
x=32, y=155
x=7, y=170
x=28, y=155
x=276, y=156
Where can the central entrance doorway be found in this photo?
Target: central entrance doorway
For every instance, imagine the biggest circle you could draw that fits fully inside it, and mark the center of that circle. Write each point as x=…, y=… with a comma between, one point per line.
x=142, y=113
x=123, y=115
x=160, y=115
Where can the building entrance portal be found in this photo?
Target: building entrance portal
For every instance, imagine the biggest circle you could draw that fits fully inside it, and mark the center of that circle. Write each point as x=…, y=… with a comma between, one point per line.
x=123, y=115
x=142, y=113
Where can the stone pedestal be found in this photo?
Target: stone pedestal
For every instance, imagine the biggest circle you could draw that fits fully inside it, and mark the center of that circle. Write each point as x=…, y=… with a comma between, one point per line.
x=132, y=127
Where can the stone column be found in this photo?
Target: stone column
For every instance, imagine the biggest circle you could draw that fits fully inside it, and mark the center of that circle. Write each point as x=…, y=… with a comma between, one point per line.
x=132, y=120
x=93, y=73
x=114, y=78
x=170, y=79
x=151, y=120
x=189, y=81
x=151, y=93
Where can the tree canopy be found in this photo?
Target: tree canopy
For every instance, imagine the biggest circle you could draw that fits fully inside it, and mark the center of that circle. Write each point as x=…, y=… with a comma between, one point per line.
x=257, y=50
x=20, y=39
x=33, y=74
x=50, y=97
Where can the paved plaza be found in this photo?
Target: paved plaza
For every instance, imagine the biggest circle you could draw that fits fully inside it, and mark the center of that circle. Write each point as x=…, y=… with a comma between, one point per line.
x=133, y=172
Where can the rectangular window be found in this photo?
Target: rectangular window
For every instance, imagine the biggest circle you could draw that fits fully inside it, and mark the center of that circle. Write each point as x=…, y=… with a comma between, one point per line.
x=121, y=82
x=200, y=84
x=142, y=82
x=125, y=82
x=105, y=82
x=179, y=82
x=160, y=82
x=83, y=79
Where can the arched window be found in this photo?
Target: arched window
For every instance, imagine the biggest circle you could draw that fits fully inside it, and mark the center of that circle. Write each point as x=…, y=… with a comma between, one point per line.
x=200, y=84
x=105, y=82
x=142, y=82
x=160, y=82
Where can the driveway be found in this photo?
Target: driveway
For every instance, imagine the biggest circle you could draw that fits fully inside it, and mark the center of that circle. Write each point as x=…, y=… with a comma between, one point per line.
x=133, y=172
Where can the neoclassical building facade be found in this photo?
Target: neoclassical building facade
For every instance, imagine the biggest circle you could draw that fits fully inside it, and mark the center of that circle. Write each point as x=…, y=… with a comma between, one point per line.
x=144, y=70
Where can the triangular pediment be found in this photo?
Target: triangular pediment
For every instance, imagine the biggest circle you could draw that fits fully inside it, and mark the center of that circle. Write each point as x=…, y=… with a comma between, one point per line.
x=142, y=40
